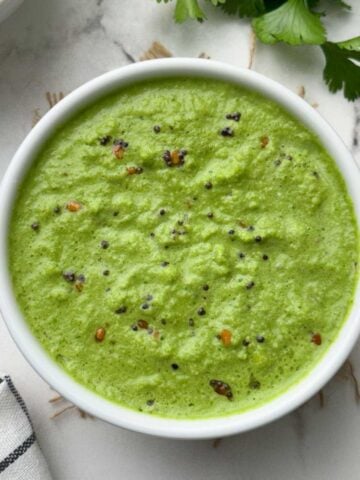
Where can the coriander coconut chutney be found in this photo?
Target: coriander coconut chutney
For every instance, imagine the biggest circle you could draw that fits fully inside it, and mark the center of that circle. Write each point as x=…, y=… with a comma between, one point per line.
x=184, y=248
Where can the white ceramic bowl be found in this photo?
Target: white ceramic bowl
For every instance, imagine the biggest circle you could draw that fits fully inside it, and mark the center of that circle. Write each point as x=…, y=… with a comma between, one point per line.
x=54, y=375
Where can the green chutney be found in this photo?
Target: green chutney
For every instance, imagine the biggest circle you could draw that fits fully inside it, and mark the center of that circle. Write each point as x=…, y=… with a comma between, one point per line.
x=184, y=248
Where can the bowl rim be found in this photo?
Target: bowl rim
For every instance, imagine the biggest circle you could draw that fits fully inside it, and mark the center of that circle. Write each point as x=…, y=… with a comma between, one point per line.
x=90, y=401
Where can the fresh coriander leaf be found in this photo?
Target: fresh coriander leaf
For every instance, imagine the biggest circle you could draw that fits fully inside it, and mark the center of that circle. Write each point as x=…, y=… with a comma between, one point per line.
x=353, y=46
x=185, y=9
x=272, y=4
x=313, y=3
x=291, y=23
x=340, y=71
x=188, y=9
x=244, y=8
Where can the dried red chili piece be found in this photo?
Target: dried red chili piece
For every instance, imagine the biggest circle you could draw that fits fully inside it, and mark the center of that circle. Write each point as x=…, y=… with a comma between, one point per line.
x=73, y=206
x=142, y=324
x=221, y=388
x=100, y=334
x=174, y=158
x=316, y=338
x=225, y=337
x=264, y=140
x=134, y=170
x=118, y=151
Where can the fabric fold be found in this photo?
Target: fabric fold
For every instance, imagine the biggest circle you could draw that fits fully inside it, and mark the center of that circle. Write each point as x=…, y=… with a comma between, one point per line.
x=20, y=454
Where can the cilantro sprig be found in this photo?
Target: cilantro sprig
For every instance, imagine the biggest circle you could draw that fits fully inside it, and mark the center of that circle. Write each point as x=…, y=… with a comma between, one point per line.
x=295, y=22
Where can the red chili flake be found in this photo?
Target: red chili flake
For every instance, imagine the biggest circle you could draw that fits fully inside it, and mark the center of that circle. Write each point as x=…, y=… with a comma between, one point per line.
x=100, y=334
x=264, y=140
x=118, y=151
x=73, y=206
x=225, y=336
x=174, y=158
x=316, y=338
x=142, y=324
x=221, y=388
x=134, y=170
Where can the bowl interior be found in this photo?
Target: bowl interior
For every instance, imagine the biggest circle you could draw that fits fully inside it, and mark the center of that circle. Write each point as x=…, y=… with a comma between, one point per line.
x=48, y=369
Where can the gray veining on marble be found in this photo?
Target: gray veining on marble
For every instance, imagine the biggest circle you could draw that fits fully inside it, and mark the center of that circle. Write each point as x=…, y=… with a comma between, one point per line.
x=56, y=45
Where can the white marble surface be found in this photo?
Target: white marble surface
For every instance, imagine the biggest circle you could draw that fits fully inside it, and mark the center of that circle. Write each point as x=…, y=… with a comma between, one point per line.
x=55, y=45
